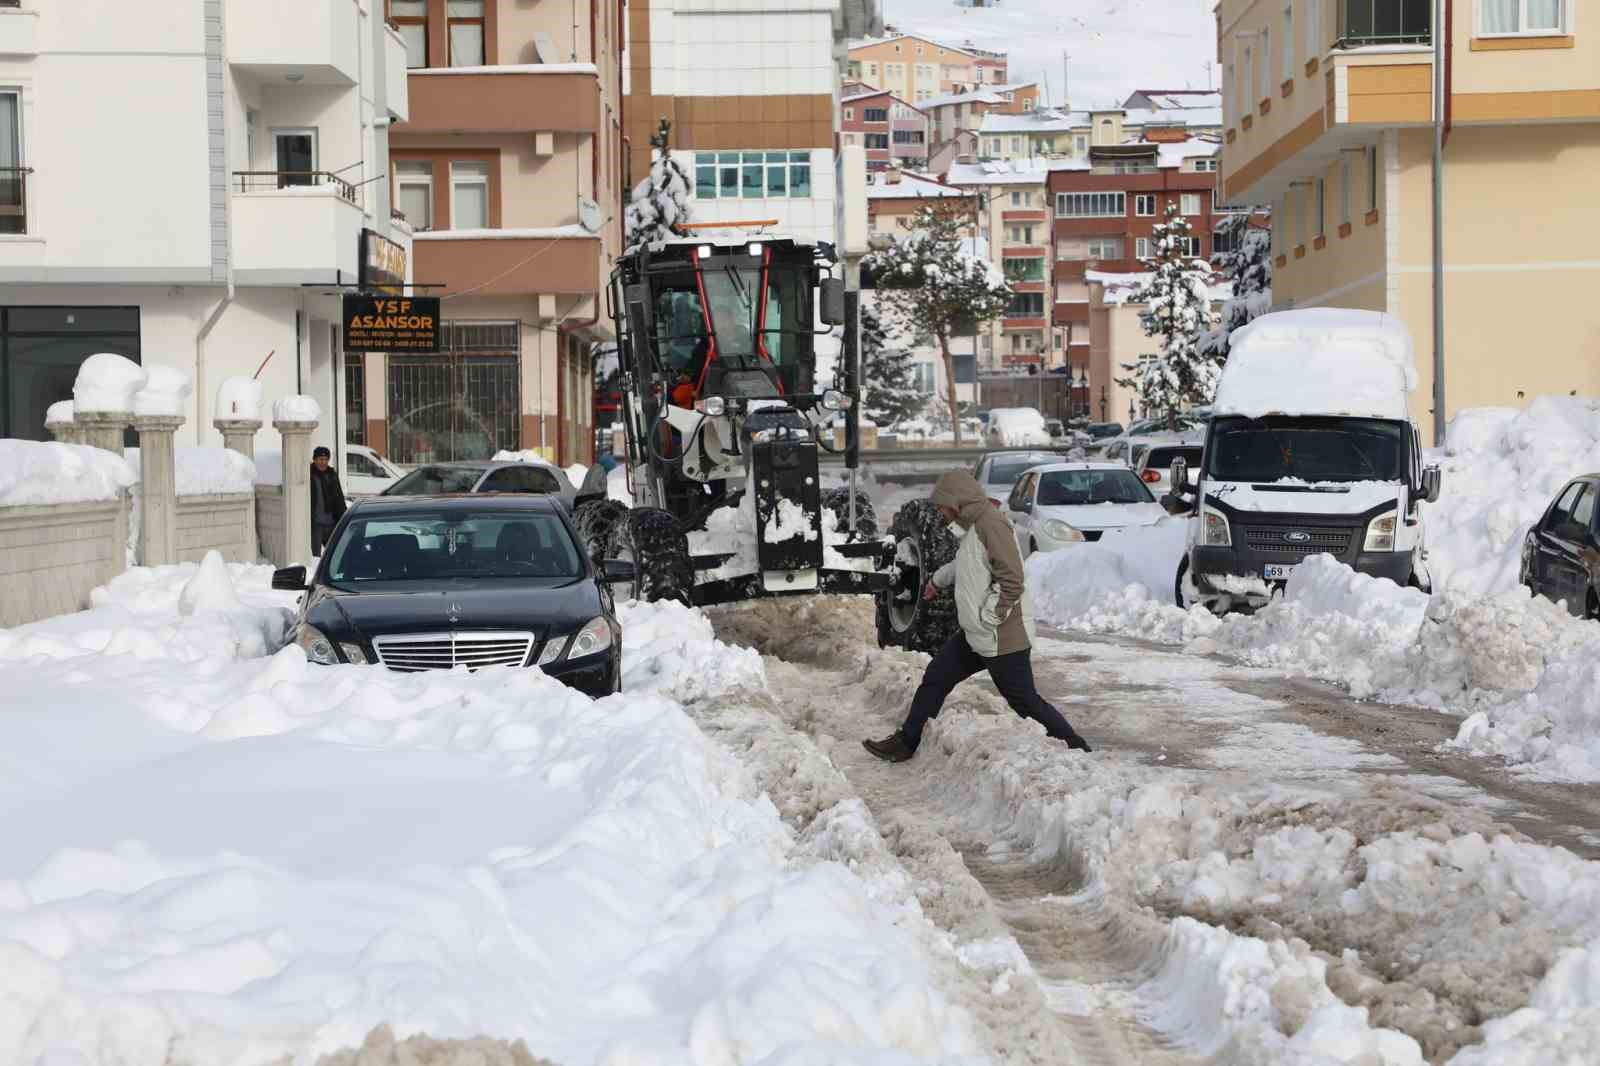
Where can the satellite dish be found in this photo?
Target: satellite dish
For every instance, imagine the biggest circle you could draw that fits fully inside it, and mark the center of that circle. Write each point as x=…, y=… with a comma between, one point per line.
x=588, y=214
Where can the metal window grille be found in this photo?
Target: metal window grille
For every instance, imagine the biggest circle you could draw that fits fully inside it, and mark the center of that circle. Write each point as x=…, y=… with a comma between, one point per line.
x=463, y=403
x=355, y=400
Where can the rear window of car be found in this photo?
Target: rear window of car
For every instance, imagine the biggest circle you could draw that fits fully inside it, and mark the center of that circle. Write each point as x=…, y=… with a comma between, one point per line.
x=1006, y=471
x=1161, y=458
x=436, y=481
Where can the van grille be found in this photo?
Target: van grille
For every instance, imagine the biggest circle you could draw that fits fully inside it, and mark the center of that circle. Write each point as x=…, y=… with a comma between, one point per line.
x=1270, y=541
x=442, y=651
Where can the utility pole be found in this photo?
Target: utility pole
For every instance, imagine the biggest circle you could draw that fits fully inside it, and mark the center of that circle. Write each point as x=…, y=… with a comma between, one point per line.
x=1440, y=34
x=1066, y=92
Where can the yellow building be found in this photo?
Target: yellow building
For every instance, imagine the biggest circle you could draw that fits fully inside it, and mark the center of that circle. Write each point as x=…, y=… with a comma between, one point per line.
x=914, y=68
x=1328, y=110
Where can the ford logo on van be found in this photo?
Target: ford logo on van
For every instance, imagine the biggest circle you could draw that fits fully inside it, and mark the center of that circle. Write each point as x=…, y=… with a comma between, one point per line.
x=1297, y=536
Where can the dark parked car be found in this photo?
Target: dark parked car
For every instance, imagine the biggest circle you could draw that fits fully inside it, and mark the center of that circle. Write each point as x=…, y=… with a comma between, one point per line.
x=1561, y=557
x=475, y=581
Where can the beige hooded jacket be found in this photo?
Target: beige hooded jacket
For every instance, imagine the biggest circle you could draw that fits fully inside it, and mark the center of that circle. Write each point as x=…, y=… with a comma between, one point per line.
x=992, y=603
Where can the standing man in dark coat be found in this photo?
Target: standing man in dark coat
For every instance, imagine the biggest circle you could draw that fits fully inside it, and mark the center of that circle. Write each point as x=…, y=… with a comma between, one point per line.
x=327, y=499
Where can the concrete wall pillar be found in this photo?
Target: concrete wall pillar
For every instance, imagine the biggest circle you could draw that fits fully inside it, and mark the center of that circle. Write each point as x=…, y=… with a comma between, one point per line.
x=238, y=434
x=68, y=432
x=296, y=490
x=158, y=506
x=103, y=429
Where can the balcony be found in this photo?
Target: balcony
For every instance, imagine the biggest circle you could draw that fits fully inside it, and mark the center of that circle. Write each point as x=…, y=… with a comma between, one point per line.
x=559, y=97
x=14, y=199
x=396, y=83
x=19, y=31
x=508, y=262
x=310, y=42
x=1372, y=22
x=295, y=228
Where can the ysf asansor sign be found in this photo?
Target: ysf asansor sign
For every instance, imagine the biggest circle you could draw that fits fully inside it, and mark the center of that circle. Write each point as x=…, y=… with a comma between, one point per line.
x=391, y=323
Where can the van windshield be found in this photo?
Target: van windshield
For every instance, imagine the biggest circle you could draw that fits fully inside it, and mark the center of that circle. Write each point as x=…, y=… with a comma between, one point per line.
x=1308, y=449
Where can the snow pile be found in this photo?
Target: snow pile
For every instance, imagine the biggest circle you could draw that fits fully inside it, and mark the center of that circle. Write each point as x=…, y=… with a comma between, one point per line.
x=1500, y=469
x=206, y=471
x=35, y=472
x=59, y=413
x=239, y=397
x=1341, y=362
x=1017, y=427
x=296, y=409
x=787, y=522
x=508, y=860
x=526, y=455
x=107, y=382
x=269, y=466
x=164, y=393
x=670, y=650
x=211, y=589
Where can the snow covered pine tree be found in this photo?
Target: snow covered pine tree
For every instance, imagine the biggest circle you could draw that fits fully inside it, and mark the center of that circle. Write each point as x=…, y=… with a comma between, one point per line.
x=930, y=284
x=1249, y=266
x=888, y=392
x=1177, y=312
x=660, y=203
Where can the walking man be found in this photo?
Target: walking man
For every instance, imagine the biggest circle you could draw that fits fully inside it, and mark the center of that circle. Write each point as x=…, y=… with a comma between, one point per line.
x=996, y=618
x=327, y=499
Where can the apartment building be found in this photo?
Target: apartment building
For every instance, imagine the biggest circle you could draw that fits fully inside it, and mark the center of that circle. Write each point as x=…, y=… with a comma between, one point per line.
x=190, y=184
x=756, y=129
x=1059, y=133
x=893, y=133
x=958, y=112
x=895, y=199
x=1329, y=119
x=509, y=170
x=1106, y=210
x=916, y=68
x=1117, y=343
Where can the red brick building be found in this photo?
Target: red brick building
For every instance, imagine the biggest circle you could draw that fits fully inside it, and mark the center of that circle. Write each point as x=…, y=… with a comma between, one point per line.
x=1103, y=217
x=894, y=133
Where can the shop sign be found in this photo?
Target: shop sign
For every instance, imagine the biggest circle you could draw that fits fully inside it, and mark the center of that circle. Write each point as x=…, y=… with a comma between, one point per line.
x=383, y=264
x=391, y=323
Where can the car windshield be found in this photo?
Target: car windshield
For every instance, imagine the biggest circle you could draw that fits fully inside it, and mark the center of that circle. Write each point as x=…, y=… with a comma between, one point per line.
x=448, y=546
x=1077, y=488
x=436, y=481
x=1006, y=469
x=1307, y=449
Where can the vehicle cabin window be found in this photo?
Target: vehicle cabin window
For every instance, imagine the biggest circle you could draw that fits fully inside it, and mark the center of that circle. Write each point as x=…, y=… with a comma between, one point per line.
x=454, y=546
x=436, y=481
x=521, y=479
x=1019, y=495
x=359, y=466
x=1583, y=514
x=1081, y=488
x=1561, y=513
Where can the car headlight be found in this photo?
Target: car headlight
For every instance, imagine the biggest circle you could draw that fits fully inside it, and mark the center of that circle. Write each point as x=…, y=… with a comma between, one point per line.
x=553, y=649
x=593, y=638
x=315, y=643
x=1380, y=534
x=1056, y=530
x=353, y=654
x=714, y=406
x=1214, y=532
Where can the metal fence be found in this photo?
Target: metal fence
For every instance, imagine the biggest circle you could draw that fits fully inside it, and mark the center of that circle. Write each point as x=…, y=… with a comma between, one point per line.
x=1364, y=22
x=464, y=403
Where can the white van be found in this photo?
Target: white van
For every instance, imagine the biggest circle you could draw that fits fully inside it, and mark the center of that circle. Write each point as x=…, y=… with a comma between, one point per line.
x=1311, y=449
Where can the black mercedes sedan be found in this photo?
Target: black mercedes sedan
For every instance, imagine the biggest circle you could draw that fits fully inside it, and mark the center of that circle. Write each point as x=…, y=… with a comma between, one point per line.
x=414, y=583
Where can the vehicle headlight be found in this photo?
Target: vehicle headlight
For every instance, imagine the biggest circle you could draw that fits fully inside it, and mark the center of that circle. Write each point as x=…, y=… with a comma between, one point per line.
x=1214, y=532
x=593, y=638
x=1380, y=534
x=1057, y=530
x=553, y=649
x=315, y=643
x=714, y=406
x=834, y=400
x=353, y=654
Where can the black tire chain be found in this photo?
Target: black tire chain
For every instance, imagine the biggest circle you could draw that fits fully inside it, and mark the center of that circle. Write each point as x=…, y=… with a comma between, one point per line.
x=660, y=552
x=595, y=520
x=932, y=623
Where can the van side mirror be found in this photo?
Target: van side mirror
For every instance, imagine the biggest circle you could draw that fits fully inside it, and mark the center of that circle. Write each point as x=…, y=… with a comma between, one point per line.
x=1431, y=482
x=1174, y=504
x=831, y=309
x=289, y=579
x=1180, y=476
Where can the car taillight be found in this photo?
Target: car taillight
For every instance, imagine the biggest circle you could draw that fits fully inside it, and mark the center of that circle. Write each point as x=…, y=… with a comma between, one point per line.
x=1150, y=477
x=994, y=503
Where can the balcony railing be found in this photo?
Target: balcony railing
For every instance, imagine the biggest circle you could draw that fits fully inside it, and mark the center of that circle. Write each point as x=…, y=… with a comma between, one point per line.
x=14, y=196
x=1369, y=22
x=260, y=180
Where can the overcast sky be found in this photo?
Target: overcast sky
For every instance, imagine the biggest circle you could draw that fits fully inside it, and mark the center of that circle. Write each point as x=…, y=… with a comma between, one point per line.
x=1115, y=46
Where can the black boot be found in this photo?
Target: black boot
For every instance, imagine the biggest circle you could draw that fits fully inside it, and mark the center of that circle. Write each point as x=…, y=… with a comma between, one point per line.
x=892, y=748
x=1077, y=743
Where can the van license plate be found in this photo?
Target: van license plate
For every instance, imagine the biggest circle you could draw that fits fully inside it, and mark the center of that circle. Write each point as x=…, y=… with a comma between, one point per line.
x=1276, y=572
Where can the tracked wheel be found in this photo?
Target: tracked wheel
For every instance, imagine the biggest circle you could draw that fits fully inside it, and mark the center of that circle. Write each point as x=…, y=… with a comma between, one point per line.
x=922, y=544
x=838, y=500
x=653, y=541
x=595, y=520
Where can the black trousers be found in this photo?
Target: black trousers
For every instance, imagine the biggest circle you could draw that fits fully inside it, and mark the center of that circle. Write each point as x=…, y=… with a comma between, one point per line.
x=1012, y=675
x=319, y=536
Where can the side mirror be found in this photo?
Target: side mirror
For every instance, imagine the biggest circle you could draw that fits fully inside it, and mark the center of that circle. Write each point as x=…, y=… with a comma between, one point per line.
x=289, y=579
x=1431, y=481
x=1180, y=476
x=615, y=570
x=831, y=309
x=1174, y=504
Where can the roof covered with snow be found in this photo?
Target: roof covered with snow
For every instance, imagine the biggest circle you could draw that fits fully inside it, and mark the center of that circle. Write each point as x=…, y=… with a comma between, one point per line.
x=1034, y=171
x=1175, y=99
x=909, y=187
x=988, y=94
x=867, y=42
x=1319, y=360
x=1122, y=288
x=1040, y=120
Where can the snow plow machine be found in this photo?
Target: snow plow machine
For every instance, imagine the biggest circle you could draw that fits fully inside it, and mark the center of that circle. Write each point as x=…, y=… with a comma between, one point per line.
x=717, y=339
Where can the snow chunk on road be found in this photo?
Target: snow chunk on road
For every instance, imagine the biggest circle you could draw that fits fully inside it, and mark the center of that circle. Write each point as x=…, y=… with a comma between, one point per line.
x=211, y=589
x=671, y=650
x=38, y=472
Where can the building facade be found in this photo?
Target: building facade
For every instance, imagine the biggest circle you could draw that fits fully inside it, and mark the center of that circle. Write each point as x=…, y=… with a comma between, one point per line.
x=955, y=113
x=893, y=133
x=916, y=69
x=509, y=170
x=222, y=249
x=895, y=198
x=1329, y=120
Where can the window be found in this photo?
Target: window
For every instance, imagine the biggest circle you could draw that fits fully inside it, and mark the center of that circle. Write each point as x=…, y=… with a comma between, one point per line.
x=1228, y=107
x=1016, y=144
x=1266, y=62
x=465, y=21
x=1021, y=234
x=1105, y=247
x=1141, y=247
x=1091, y=204
x=1344, y=188
x=355, y=413
x=1029, y=269
x=411, y=16
x=849, y=114
x=877, y=140
x=875, y=114
x=13, y=176
x=1582, y=513
x=469, y=195
x=1191, y=202
x=1205, y=166
x=413, y=179
x=1322, y=207
x=1144, y=205
x=1288, y=41
x=1224, y=241
x=1247, y=79
x=1080, y=144
x=1561, y=513
x=41, y=349
x=1297, y=221
x=1190, y=246
x=1017, y=199
x=1503, y=18
x=1372, y=178
x=907, y=136
x=1133, y=166
x=752, y=175
x=1026, y=305
x=1313, y=29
